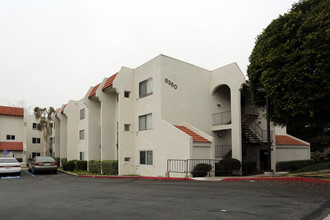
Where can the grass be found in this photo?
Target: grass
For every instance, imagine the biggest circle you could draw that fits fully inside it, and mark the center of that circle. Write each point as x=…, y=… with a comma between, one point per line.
x=314, y=167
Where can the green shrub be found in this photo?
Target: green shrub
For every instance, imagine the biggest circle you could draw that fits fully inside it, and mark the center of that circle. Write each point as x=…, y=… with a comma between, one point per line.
x=19, y=159
x=219, y=169
x=201, y=170
x=249, y=167
x=293, y=165
x=63, y=161
x=70, y=165
x=81, y=165
x=314, y=167
x=230, y=164
x=321, y=156
x=110, y=167
x=58, y=160
x=94, y=166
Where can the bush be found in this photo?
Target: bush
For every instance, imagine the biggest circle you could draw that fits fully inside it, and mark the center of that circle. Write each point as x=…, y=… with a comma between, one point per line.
x=249, y=167
x=94, y=166
x=293, y=165
x=321, y=156
x=70, y=165
x=19, y=159
x=201, y=170
x=110, y=167
x=58, y=160
x=230, y=164
x=63, y=161
x=219, y=169
x=81, y=165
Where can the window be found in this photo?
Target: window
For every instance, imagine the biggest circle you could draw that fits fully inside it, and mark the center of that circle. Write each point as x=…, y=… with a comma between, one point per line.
x=127, y=127
x=127, y=159
x=145, y=87
x=34, y=154
x=82, y=156
x=146, y=157
x=81, y=134
x=10, y=137
x=34, y=126
x=82, y=113
x=127, y=94
x=35, y=140
x=145, y=122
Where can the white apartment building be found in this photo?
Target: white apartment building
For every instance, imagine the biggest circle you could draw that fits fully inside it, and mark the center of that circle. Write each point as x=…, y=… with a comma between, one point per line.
x=19, y=136
x=168, y=109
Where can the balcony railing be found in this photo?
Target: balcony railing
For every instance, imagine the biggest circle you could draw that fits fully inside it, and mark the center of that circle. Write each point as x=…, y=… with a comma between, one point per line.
x=222, y=118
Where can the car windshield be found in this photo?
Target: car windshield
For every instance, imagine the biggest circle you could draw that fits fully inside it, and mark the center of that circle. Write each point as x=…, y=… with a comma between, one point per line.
x=8, y=160
x=44, y=159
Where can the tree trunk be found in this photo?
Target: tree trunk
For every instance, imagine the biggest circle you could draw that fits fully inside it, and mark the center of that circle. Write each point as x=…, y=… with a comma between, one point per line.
x=45, y=141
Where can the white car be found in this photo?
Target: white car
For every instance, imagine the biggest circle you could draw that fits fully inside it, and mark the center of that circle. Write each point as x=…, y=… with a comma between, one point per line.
x=9, y=165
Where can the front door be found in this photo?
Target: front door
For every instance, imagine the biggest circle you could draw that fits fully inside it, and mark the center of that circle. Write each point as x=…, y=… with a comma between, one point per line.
x=263, y=159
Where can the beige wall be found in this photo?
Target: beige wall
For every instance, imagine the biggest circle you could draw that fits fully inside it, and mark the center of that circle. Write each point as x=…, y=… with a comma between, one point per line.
x=33, y=133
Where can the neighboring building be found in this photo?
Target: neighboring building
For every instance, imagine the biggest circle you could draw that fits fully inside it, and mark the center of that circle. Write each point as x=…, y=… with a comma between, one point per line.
x=34, y=138
x=168, y=109
x=12, y=135
x=19, y=134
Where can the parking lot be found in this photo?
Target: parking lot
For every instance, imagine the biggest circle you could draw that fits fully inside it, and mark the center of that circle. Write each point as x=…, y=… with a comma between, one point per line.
x=62, y=196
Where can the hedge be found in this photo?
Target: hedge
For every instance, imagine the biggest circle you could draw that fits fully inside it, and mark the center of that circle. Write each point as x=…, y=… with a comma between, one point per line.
x=94, y=166
x=230, y=164
x=293, y=165
x=110, y=167
x=249, y=167
x=219, y=169
x=70, y=165
x=81, y=165
x=63, y=161
x=58, y=160
x=201, y=170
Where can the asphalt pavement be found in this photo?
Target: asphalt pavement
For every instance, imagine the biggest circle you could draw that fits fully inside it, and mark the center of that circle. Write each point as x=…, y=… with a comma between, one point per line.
x=62, y=196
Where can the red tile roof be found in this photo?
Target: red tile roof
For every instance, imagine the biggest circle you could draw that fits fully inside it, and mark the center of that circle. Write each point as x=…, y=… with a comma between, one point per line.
x=196, y=137
x=93, y=92
x=11, y=145
x=109, y=82
x=63, y=108
x=287, y=140
x=6, y=110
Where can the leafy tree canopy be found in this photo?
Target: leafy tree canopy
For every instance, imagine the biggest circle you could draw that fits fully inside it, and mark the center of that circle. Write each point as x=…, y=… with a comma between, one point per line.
x=291, y=61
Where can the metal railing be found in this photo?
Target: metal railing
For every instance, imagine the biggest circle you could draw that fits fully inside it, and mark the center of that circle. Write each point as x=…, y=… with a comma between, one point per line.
x=256, y=129
x=222, y=150
x=222, y=118
x=187, y=166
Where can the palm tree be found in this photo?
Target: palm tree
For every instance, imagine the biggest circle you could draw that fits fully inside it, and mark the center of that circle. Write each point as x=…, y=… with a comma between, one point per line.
x=45, y=123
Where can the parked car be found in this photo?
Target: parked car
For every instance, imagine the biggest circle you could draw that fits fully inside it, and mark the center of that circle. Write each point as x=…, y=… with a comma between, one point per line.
x=40, y=163
x=9, y=165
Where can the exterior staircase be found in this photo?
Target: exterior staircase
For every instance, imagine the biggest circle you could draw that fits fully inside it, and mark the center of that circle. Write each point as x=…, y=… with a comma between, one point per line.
x=251, y=131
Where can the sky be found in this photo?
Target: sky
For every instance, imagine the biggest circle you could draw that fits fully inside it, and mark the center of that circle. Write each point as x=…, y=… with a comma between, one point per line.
x=53, y=51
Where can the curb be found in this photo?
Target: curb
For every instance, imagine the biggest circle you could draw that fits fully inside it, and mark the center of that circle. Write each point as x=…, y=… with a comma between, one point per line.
x=136, y=177
x=298, y=179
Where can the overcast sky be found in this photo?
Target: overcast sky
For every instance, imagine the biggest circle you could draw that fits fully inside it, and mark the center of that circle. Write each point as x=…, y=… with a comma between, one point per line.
x=52, y=51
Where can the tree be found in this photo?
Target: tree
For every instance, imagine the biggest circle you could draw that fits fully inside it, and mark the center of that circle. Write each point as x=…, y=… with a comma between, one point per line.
x=291, y=61
x=45, y=123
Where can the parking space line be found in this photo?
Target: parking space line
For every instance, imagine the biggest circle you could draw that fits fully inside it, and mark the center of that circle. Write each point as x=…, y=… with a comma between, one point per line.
x=10, y=177
x=29, y=173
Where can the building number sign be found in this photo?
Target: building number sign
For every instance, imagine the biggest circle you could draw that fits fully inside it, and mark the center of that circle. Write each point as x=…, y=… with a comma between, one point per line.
x=169, y=82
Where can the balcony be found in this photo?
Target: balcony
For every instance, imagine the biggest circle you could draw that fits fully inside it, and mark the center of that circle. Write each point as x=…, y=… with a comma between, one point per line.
x=222, y=118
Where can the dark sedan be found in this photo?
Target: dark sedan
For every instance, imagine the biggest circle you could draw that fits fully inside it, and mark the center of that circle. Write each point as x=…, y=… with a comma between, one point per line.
x=40, y=163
